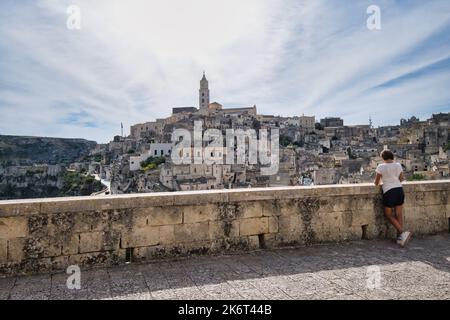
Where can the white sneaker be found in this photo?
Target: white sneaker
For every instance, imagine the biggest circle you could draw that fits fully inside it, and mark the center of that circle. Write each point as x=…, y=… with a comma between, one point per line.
x=404, y=238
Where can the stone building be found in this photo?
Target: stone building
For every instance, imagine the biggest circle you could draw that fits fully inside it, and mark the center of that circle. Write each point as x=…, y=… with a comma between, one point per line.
x=203, y=95
x=331, y=122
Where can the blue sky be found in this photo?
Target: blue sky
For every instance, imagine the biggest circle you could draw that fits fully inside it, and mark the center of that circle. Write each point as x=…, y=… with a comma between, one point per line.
x=132, y=61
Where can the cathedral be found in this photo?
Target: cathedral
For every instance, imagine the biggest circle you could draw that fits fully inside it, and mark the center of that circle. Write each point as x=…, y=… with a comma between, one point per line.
x=204, y=94
x=206, y=108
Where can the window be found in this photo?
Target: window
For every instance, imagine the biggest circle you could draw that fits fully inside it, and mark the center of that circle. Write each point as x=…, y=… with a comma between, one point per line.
x=162, y=152
x=156, y=152
x=203, y=100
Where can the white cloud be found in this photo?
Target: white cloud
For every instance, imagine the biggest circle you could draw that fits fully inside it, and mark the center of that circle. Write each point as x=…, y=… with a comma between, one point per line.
x=135, y=60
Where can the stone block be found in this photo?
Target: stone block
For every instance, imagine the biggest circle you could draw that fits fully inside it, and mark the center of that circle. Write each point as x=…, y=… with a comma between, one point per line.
x=426, y=219
x=91, y=242
x=362, y=217
x=342, y=203
x=273, y=224
x=253, y=226
x=290, y=227
x=13, y=227
x=251, y=209
x=90, y=259
x=431, y=198
x=223, y=229
x=200, y=213
x=3, y=250
x=16, y=249
x=191, y=232
x=288, y=207
x=167, y=234
x=89, y=221
x=359, y=203
x=201, y=198
x=243, y=195
x=73, y=204
x=141, y=237
x=157, y=216
x=19, y=208
x=253, y=242
x=70, y=245
x=271, y=208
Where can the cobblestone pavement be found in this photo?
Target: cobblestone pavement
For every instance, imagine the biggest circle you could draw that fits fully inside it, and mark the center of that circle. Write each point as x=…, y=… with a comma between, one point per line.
x=335, y=271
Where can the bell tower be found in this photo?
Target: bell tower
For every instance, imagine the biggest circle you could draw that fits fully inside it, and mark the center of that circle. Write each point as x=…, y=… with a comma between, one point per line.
x=204, y=94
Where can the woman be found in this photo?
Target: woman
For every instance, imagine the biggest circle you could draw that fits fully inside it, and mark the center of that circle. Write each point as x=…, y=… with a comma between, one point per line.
x=390, y=174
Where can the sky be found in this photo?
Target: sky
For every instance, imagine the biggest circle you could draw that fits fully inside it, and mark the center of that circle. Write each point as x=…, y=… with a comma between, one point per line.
x=133, y=61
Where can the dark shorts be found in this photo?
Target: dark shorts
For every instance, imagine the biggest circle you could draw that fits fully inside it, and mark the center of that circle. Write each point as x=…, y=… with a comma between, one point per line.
x=394, y=197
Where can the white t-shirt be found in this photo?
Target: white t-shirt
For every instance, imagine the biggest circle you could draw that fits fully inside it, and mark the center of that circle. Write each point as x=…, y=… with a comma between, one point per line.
x=390, y=175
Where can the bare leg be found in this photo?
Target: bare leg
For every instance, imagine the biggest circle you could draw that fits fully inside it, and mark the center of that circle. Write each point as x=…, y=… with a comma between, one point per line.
x=399, y=214
x=388, y=212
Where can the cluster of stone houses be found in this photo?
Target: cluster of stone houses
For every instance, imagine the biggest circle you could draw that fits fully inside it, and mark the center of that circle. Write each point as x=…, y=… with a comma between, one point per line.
x=311, y=152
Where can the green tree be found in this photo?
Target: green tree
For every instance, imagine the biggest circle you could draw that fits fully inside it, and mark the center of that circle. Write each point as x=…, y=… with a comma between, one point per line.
x=416, y=177
x=285, y=140
x=152, y=162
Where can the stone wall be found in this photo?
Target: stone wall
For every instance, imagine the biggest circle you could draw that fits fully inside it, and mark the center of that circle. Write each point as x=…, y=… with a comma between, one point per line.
x=50, y=234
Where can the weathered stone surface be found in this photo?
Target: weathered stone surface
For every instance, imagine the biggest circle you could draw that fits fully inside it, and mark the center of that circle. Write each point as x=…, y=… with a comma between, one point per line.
x=192, y=232
x=193, y=214
x=158, y=216
x=253, y=226
x=13, y=227
x=141, y=237
x=167, y=234
x=251, y=209
x=273, y=224
x=426, y=219
x=47, y=234
x=290, y=228
x=91, y=242
x=19, y=208
x=17, y=249
x=3, y=250
x=223, y=229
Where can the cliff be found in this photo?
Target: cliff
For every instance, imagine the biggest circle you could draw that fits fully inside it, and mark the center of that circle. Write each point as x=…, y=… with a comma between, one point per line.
x=20, y=150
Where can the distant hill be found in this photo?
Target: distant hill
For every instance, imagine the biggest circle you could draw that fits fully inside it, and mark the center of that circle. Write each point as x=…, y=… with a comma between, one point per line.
x=21, y=150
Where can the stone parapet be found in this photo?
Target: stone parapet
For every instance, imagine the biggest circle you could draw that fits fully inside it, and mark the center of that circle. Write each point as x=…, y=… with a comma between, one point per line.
x=44, y=235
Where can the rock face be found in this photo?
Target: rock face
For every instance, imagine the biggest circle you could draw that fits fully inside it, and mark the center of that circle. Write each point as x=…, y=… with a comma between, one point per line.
x=18, y=150
x=43, y=181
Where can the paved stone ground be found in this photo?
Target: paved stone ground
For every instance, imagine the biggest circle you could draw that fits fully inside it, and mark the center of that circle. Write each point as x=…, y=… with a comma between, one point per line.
x=339, y=271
